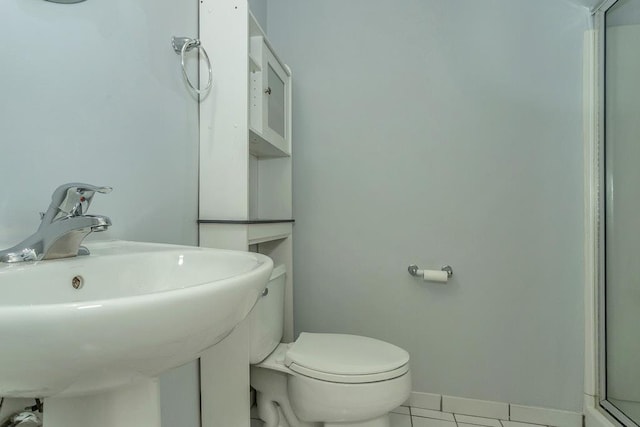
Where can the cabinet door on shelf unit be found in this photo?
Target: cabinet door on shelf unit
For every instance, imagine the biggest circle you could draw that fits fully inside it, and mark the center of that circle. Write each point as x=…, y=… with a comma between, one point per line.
x=270, y=90
x=276, y=100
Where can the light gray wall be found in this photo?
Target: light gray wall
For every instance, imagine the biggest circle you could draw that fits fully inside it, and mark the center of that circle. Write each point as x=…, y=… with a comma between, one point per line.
x=623, y=12
x=259, y=10
x=589, y=4
x=443, y=132
x=93, y=92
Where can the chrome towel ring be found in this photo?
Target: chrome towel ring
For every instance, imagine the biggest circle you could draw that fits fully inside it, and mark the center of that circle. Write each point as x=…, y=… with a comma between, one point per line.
x=182, y=45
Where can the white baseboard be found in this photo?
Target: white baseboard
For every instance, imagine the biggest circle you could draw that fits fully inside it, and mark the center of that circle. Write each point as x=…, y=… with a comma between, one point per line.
x=426, y=401
x=593, y=416
x=546, y=416
x=475, y=407
x=499, y=410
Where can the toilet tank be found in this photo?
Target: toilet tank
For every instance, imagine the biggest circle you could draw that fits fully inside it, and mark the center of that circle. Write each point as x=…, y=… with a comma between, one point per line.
x=266, y=320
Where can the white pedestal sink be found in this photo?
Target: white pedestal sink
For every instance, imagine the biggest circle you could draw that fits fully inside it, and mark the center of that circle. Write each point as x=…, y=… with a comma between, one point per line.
x=96, y=331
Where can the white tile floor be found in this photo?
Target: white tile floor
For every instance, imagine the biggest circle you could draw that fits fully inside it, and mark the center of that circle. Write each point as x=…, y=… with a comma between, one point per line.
x=405, y=416
x=417, y=417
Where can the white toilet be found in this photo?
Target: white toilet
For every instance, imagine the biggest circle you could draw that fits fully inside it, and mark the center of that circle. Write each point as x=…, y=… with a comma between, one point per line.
x=321, y=379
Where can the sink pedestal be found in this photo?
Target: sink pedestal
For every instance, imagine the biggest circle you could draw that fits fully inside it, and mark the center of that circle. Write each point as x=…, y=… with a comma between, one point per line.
x=136, y=405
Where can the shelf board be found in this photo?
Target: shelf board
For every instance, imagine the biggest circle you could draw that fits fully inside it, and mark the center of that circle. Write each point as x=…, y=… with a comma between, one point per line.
x=257, y=230
x=245, y=221
x=255, y=30
x=260, y=147
x=267, y=232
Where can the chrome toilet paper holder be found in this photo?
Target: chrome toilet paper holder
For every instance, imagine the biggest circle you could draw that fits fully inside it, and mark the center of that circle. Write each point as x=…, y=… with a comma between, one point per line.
x=415, y=271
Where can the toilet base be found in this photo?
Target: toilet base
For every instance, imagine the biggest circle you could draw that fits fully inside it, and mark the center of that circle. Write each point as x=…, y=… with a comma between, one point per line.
x=382, y=421
x=274, y=404
x=282, y=422
x=286, y=398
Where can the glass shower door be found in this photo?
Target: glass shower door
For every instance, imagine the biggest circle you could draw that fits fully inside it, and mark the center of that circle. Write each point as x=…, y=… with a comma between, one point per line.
x=622, y=212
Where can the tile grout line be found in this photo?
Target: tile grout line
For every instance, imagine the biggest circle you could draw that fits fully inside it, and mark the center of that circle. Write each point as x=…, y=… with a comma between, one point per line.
x=410, y=415
x=455, y=419
x=482, y=425
x=475, y=424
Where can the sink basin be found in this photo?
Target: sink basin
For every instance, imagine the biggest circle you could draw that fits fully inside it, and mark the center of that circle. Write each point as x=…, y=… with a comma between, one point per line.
x=138, y=310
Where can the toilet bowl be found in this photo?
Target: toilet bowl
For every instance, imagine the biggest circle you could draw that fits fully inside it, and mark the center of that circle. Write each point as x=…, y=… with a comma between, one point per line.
x=321, y=379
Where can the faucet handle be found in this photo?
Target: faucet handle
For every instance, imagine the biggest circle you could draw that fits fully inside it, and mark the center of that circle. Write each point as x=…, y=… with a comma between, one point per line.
x=72, y=199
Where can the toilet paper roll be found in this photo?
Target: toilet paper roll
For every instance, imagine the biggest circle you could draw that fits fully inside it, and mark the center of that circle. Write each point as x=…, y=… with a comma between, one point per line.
x=435, y=276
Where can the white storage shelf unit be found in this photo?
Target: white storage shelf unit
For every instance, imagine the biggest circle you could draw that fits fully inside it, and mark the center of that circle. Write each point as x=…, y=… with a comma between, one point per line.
x=245, y=180
x=245, y=169
x=245, y=141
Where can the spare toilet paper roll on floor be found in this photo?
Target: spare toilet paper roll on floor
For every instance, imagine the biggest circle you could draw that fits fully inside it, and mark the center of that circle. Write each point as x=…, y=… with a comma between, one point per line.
x=435, y=276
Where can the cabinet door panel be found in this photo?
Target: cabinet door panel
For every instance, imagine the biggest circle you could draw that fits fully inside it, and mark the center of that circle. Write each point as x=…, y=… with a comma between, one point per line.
x=276, y=103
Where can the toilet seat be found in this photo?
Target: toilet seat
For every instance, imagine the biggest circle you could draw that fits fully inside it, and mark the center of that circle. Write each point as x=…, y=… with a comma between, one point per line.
x=349, y=359
x=350, y=379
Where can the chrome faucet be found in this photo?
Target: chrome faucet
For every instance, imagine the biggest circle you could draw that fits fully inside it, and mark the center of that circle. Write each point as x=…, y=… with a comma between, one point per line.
x=63, y=228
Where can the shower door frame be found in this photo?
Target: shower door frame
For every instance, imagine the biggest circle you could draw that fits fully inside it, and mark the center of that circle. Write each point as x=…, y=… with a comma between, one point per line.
x=597, y=195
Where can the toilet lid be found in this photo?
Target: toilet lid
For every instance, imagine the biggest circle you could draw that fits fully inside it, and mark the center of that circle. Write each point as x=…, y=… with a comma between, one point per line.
x=346, y=358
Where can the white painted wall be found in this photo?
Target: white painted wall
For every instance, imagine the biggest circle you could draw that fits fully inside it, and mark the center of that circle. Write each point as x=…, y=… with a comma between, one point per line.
x=443, y=132
x=93, y=92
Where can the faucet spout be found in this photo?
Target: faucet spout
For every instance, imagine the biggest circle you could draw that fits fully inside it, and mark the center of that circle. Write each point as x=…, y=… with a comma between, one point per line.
x=63, y=228
x=70, y=233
